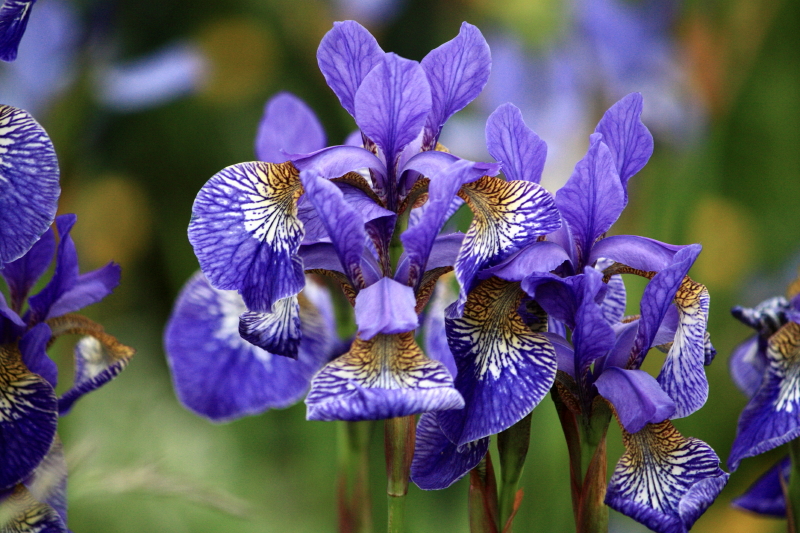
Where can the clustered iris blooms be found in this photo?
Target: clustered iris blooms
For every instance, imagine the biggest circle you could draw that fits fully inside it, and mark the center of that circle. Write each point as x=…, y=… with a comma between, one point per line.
x=32, y=469
x=664, y=480
x=342, y=212
x=766, y=368
x=541, y=301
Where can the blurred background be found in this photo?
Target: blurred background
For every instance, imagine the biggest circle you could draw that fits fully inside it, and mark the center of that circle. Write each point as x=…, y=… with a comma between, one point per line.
x=145, y=100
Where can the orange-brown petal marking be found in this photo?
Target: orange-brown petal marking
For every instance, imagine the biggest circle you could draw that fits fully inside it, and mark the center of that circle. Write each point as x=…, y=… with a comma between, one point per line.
x=21, y=513
x=427, y=284
x=504, y=367
x=99, y=357
x=683, y=375
x=384, y=377
x=28, y=418
x=665, y=480
x=246, y=232
x=507, y=215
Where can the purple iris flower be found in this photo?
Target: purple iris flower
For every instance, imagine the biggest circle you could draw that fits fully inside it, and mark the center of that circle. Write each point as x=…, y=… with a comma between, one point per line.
x=507, y=351
x=28, y=377
x=765, y=368
x=14, y=16
x=29, y=186
x=368, y=215
x=766, y=496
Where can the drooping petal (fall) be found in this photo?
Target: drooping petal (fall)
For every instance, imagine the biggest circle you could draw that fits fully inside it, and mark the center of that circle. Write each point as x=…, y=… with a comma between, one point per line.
x=287, y=127
x=28, y=418
x=14, y=16
x=683, y=375
x=457, y=72
x=29, y=186
x=385, y=377
x=438, y=463
x=665, y=480
x=514, y=144
x=504, y=368
x=245, y=232
x=770, y=419
x=278, y=331
x=766, y=496
x=507, y=215
x=219, y=375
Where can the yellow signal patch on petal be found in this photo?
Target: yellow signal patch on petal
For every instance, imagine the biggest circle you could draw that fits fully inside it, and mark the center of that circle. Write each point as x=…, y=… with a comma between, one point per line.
x=683, y=375
x=388, y=362
x=272, y=214
x=246, y=232
x=665, y=480
x=493, y=330
x=21, y=513
x=783, y=354
x=507, y=215
x=379, y=378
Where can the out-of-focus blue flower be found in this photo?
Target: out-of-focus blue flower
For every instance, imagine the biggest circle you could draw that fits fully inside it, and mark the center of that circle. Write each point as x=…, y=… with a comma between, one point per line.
x=502, y=375
x=369, y=12
x=220, y=375
x=173, y=71
x=48, y=63
x=765, y=368
x=770, y=418
x=607, y=49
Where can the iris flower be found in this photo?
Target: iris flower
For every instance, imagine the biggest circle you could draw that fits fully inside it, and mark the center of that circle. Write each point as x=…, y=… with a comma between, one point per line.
x=28, y=376
x=14, y=15
x=31, y=466
x=572, y=275
x=765, y=368
x=341, y=211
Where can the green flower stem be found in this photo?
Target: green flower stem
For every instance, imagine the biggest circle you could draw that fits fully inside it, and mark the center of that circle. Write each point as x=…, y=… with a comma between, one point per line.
x=399, y=439
x=483, y=515
x=793, y=492
x=586, y=442
x=513, y=447
x=355, y=510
